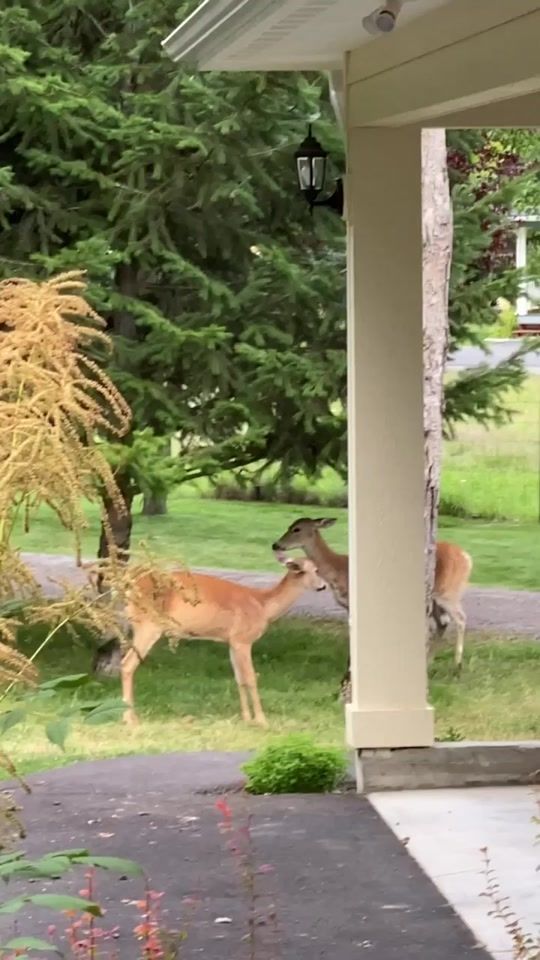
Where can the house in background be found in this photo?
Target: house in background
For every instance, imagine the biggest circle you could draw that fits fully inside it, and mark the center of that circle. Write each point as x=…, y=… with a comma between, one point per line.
x=528, y=303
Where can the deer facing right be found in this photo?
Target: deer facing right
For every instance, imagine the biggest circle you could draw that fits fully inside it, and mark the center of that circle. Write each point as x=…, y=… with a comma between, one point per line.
x=452, y=571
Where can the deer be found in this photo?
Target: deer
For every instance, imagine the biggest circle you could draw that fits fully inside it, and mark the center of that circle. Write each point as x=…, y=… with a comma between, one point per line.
x=452, y=571
x=199, y=606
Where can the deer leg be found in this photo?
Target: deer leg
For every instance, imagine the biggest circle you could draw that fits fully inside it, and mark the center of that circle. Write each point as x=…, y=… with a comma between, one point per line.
x=242, y=654
x=345, y=683
x=461, y=623
x=345, y=686
x=144, y=637
x=242, y=692
x=452, y=609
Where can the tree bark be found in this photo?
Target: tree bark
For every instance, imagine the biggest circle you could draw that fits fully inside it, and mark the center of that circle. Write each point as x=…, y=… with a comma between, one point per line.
x=108, y=655
x=437, y=260
x=120, y=523
x=155, y=505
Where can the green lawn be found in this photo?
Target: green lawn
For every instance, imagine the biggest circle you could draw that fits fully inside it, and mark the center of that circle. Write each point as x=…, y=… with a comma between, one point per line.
x=487, y=473
x=495, y=473
x=188, y=700
x=232, y=534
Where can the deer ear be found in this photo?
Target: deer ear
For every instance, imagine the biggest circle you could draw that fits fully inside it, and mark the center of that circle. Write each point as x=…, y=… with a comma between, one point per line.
x=323, y=522
x=293, y=566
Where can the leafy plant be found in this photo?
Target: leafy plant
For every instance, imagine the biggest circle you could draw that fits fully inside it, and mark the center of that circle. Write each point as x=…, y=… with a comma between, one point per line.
x=525, y=945
x=295, y=764
x=53, y=401
x=450, y=735
x=92, y=712
x=261, y=914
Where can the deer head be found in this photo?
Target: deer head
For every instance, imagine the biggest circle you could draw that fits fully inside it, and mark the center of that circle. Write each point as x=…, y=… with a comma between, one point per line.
x=301, y=534
x=307, y=571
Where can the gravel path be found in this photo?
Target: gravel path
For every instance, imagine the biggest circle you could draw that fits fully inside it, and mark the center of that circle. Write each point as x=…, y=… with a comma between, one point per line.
x=510, y=612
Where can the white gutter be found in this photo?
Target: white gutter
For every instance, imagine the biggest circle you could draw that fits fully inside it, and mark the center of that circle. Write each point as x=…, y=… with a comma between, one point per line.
x=212, y=25
x=336, y=83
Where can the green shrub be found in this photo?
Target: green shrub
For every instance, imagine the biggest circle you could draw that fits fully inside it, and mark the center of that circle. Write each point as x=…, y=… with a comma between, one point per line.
x=295, y=764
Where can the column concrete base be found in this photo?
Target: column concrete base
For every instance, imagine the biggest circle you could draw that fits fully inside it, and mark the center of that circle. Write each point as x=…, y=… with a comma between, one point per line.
x=464, y=764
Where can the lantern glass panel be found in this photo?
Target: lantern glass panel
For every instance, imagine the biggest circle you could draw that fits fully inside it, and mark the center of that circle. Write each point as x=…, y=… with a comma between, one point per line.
x=311, y=172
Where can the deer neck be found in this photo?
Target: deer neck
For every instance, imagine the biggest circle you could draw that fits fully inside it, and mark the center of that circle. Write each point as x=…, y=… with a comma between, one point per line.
x=322, y=556
x=277, y=600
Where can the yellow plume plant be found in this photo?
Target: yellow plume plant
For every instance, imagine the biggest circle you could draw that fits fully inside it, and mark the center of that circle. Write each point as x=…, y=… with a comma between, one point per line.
x=53, y=402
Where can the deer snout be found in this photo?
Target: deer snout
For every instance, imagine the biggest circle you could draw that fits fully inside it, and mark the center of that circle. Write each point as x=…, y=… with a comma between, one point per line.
x=276, y=547
x=320, y=588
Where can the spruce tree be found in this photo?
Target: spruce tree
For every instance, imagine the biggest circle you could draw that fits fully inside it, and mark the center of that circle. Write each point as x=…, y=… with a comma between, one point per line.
x=176, y=192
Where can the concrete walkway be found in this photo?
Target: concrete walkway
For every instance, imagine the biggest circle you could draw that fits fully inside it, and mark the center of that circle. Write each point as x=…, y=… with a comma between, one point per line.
x=332, y=880
x=509, y=612
x=446, y=830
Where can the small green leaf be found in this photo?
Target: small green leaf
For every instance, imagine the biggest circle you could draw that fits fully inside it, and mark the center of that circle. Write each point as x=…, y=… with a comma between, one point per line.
x=12, y=906
x=63, y=902
x=14, y=869
x=12, y=608
x=129, y=867
x=104, y=716
x=10, y=719
x=57, y=731
x=71, y=853
x=39, y=694
x=88, y=705
x=52, y=901
x=10, y=857
x=51, y=865
x=29, y=943
x=63, y=683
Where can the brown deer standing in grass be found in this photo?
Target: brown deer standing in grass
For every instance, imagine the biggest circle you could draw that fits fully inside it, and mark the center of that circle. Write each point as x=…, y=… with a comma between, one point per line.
x=197, y=606
x=452, y=571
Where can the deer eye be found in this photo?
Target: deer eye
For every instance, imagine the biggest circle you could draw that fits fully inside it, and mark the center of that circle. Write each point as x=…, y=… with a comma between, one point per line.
x=296, y=529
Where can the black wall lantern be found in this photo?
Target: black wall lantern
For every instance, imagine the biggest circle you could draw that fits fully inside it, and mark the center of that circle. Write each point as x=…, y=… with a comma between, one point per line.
x=311, y=160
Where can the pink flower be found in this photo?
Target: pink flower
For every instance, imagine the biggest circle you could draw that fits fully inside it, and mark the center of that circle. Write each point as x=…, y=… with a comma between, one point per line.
x=223, y=807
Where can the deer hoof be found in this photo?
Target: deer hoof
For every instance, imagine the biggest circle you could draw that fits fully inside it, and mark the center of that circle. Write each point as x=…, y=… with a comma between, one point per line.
x=131, y=719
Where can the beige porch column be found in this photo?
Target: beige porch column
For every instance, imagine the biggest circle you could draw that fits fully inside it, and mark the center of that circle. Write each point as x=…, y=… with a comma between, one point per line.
x=386, y=457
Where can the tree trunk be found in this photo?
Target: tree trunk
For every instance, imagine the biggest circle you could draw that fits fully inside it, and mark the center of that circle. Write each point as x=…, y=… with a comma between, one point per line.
x=154, y=505
x=119, y=522
x=437, y=261
x=108, y=655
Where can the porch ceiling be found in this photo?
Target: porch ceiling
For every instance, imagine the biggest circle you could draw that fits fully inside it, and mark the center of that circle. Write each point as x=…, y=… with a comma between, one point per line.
x=279, y=34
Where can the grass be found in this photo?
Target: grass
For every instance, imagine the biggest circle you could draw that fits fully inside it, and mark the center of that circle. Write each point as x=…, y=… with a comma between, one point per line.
x=487, y=473
x=495, y=473
x=188, y=700
x=238, y=535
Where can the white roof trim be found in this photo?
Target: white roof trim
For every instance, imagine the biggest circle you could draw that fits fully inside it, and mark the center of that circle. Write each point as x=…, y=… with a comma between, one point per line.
x=280, y=34
x=211, y=25
x=526, y=219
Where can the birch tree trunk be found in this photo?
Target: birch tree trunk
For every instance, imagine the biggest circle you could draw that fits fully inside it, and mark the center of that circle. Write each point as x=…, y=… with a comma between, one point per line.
x=437, y=261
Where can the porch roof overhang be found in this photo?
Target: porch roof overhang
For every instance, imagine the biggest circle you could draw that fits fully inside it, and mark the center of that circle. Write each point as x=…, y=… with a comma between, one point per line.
x=444, y=60
x=241, y=35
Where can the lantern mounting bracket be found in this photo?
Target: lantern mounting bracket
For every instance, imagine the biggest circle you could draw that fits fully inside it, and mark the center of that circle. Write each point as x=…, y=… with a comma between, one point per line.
x=333, y=202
